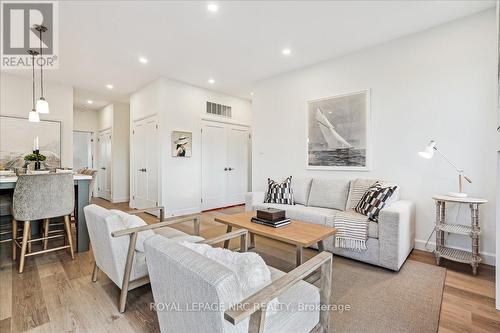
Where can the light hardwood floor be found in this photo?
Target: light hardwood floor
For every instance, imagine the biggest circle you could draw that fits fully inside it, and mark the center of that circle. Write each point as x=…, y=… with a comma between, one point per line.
x=55, y=294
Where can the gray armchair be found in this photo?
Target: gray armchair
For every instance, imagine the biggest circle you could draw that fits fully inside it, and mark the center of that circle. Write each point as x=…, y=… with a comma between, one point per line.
x=185, y=278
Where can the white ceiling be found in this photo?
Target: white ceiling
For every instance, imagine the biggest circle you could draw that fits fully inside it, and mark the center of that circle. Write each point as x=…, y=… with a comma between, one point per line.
x=100, y=41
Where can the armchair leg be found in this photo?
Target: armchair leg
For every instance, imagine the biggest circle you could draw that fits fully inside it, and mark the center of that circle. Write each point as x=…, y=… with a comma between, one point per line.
x=325, y=294
x=126, y=275
x=95, y=273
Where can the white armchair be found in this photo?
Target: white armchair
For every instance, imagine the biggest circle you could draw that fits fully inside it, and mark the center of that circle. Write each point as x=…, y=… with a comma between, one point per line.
x=184, y=278
x=115, y=246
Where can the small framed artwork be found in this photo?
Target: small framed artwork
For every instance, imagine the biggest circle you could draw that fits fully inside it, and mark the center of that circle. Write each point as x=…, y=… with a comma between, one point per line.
x=338, y=132
x=181, y=144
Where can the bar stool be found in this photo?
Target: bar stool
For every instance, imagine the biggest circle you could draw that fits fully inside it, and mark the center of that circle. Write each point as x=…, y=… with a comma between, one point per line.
x=41, y=197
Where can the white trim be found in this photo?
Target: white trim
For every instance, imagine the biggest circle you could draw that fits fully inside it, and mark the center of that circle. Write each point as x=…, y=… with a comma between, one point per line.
x=369, y=136
x=225, y=121
x=119, y=200
x=182, y=212
x=488, y=258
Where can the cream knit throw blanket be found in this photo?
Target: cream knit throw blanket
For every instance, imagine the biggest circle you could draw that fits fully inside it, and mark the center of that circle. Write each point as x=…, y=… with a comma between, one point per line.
x=352, y=230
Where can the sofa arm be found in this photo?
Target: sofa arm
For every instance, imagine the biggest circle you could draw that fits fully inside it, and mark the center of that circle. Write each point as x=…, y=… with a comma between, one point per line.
x=252, y=199
x=396, y=231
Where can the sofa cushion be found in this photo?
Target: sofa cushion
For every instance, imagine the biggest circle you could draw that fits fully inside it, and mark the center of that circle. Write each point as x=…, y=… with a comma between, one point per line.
x=301, y=188
x=329, y=193
x=374, y=200
x=372, y=229
x=357, y=189
x=251, y=271
x=291, y=317
x=280, y=192
x=316, y=215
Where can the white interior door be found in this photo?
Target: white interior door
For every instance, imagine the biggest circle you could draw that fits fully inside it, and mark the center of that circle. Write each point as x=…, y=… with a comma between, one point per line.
x=104, y=170
x=82, y=150
x=225, y=150
x=237, y=163
x=214, y=165
x=145, y=141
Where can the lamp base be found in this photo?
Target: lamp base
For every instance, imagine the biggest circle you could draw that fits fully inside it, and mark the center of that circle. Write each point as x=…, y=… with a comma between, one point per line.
x=457, y=194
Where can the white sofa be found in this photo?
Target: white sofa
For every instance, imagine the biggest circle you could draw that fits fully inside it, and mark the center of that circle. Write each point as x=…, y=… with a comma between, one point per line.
x=318, y=201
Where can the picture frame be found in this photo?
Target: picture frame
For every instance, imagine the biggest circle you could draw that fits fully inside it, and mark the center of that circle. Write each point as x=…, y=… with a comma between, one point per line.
x=182, y=143
x=339, y=132
x=16, y=141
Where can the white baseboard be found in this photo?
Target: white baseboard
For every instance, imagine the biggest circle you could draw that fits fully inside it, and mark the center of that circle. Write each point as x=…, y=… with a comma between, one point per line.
x=181, y=212
x=119, y=200
x=488, y=258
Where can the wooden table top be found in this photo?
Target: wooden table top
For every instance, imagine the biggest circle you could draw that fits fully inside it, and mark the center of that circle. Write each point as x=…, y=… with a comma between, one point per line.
x=297, y=232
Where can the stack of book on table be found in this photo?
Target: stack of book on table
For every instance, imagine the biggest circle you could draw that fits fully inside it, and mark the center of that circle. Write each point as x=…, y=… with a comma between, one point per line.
x=271, y=217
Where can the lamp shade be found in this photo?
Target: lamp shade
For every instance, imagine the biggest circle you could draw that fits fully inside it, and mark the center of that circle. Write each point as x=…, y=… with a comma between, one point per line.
x=33, y=116
x=428, y=151
x=42, y=106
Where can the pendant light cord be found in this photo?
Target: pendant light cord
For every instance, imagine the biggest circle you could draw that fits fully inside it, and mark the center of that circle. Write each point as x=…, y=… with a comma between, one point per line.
x=33, y=65
x=41, y=63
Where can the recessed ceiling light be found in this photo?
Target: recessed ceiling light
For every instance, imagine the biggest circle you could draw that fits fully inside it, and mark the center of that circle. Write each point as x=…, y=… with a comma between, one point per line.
x=286, y=51
x=211, y=81
x=212, y=7
x=143, y=60
x=109, y=86
x=251, y=94
x=90, y=101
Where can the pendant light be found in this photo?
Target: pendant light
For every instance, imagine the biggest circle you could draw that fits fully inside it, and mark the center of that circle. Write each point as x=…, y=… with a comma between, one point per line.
x=42, y=106
x=33, y=116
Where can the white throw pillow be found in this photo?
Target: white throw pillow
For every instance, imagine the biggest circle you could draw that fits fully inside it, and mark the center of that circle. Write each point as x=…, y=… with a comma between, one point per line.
x=133, y=221
x=251, y=271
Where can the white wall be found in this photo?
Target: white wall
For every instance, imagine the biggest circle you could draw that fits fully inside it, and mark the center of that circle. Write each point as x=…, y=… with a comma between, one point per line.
x=85, y=120
x=105, y=117
x=438, y=84
x=120, y=155
x=181, y=107
x=16, y=100
x=115, y=116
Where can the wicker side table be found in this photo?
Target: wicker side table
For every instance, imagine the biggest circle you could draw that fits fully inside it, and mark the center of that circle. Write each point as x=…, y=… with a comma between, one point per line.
x=468, y=257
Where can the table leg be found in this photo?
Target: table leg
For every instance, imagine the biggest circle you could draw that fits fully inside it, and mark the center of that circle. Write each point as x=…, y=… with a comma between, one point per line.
x=252, y=241
x=81, y=200
x=226, y=242
x=321, y=246
x=299, y=255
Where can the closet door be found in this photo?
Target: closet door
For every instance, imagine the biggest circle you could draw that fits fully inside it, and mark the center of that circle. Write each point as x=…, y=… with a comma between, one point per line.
x=104, y=171
x=145, y=143
x=214, y=165
x=237, y=162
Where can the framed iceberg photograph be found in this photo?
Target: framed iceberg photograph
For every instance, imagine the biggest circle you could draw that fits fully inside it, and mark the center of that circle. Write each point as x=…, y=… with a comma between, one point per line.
x=338, y=132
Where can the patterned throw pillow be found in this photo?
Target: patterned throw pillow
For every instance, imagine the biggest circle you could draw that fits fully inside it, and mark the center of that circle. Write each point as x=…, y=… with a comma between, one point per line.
x=280, y=193
x=374, y=200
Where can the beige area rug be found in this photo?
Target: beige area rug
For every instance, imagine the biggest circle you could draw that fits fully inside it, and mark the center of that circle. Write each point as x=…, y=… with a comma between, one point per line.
x=386, y=301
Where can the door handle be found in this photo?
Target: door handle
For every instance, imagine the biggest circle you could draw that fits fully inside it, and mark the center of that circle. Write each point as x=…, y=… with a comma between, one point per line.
x=144, y=170
x=225, y=169
x=230, y=169
x=103, y=168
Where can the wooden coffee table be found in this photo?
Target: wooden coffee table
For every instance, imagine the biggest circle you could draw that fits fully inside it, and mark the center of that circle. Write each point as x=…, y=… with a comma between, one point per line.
x=298, y=233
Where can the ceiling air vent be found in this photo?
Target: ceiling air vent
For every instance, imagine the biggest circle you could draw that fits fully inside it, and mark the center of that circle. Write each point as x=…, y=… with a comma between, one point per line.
x=219, y=110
